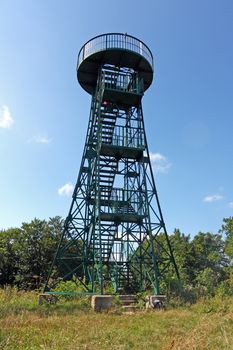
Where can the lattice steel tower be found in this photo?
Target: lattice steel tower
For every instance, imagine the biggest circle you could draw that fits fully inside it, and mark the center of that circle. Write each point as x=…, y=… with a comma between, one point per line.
x=111, y=234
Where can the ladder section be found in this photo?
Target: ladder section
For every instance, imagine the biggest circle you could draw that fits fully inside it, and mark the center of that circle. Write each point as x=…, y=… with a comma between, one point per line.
x=126, y=277
x=106, y=175
x=122, y=277
x=108, y=122
x=104, y=125
x=102, y=241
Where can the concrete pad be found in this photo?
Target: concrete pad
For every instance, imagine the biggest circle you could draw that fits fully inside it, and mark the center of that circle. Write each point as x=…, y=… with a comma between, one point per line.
x=101, y=302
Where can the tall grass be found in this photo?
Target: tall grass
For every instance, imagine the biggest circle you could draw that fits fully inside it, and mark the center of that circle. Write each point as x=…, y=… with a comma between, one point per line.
x=72, y=325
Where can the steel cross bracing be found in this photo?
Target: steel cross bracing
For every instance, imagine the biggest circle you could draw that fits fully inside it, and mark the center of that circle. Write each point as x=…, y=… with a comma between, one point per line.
x=111, y=233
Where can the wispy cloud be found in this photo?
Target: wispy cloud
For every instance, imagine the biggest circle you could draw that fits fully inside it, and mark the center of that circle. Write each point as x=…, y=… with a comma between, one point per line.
x=66, y=190
x=6, y=119
x=212, y=198
x=40, y=139
x=230, y=205
x=159, y=162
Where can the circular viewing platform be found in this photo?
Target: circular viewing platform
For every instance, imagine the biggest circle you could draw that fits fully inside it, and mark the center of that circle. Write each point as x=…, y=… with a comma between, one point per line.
x=121, y=50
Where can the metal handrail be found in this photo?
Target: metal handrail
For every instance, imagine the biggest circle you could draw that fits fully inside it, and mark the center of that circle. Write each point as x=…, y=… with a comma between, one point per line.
x=122, y=82
x=122, y=201
x=115, y=41
x=122, y=136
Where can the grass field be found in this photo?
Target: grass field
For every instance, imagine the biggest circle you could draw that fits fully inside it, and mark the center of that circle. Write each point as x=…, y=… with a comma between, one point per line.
x=71, y=325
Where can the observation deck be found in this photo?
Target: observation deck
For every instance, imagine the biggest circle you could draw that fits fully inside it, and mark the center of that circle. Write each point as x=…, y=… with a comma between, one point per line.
x=120, y=50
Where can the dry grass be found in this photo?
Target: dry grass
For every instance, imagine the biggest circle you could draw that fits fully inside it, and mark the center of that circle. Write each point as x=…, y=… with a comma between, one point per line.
x=71, y=326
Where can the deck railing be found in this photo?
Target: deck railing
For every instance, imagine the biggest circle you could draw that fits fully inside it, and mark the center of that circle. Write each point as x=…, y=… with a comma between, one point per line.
x=129, y=83
x=122, y=136
x=123, y=202
x=115, y=41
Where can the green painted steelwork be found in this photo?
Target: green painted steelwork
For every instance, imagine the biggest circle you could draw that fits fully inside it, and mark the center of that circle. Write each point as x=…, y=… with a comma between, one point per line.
x=111, y=234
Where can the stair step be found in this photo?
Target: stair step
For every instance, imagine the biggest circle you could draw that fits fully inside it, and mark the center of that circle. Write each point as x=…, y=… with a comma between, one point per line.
x=105, y=181
x=107, y=116
x=105, y=241
x=106, y=251
x=105, y=132
x=127, y=299
x=104, y=127
x=104, y=176
x=103, y=171
x=108, y=171
x=108, y=227
x=130, y=308
x=107, y=174
x=105, y=244
x=107, y=122
x=107, y=234
x=128, y=302
x=106, y=162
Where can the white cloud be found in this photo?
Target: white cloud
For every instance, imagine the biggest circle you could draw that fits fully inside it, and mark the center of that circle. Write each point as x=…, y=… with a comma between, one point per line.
x=40, y=139
x=6, y=119
x=159, y=162
x=230, y=205
x=66, y=190
x=213, y=198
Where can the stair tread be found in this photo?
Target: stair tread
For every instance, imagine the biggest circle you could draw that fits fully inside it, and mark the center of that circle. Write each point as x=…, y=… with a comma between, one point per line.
x=109, y=164
x=129, y=307
x=107, y=174
x=102, y=171
x=107, y=122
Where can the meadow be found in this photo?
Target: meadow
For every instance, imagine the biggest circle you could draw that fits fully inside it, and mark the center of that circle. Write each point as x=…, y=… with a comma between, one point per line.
x=72, y=325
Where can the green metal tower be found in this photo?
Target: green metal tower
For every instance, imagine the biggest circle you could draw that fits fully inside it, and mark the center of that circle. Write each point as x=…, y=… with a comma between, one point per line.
x=111, y=234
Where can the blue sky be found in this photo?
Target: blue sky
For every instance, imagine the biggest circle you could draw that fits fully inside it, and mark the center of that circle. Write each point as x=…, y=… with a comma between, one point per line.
x=188, y=110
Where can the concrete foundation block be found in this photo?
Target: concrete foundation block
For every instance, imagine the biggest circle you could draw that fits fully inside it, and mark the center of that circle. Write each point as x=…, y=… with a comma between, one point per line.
x=101, y=302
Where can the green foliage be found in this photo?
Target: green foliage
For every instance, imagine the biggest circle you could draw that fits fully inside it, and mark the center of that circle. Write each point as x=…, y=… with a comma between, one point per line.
x=14, y=301
x=215, y=304
x=206, y=281
x=72, y=286
x=27, y=252
x=209, y=252
x=9, y=258
x=183, y=254
x=225, y=288
x=204, y=262
x=227, y=229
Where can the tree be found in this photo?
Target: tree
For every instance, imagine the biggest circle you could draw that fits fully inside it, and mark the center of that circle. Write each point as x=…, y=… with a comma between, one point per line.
x=39, y=240
x=202, y=263
x=27, y=252
x=210, y=262
x=8, y=255
x=209, y=252
x=227, y=229
x=183, y=254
